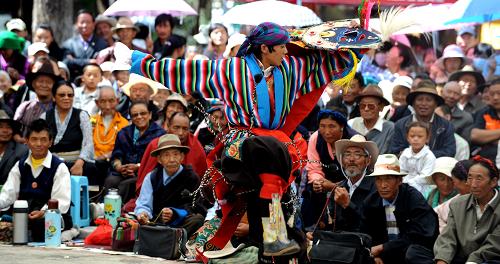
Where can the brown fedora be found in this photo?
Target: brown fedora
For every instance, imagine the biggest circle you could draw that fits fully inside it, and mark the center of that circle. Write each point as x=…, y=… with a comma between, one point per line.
x=373, y=91
x=125, y=22
x=169, y=141
x=424, y=90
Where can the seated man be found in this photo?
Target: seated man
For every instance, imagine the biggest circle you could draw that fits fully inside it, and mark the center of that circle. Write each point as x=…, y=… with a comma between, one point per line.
x=473, y=229
x=38, y=177
x=425, y=100
x=165, y=190
x=486, y=130
x=10, y=150
x=356, y=155
x=105, y=127
x=402, y=225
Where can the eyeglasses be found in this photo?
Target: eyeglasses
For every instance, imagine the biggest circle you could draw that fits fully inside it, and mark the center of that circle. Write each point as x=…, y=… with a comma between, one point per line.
x=69, y=95
x=136, y=115
x=355, y=155
x=370, y=106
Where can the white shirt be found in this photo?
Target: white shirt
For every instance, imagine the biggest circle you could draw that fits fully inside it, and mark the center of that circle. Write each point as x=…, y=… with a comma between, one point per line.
x=352, y=187
x=86, y=101
x=418, y=166
x=358, y=125
x=61, y=189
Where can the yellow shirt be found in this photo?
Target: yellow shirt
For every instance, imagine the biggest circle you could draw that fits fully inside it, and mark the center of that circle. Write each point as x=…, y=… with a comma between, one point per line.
x=104, y=141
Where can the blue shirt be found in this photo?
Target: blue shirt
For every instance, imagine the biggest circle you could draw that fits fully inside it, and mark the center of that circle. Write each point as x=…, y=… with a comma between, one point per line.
x=145, y=201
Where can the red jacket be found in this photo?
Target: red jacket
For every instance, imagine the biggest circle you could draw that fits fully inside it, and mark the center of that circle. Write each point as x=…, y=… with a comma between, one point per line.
x=195, y=157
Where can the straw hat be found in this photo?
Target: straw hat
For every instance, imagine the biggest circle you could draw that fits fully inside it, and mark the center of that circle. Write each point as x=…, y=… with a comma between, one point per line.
x=125, y=22
x=356, y=141
x=452, y=51
x=424, y=90
x=111, y=21
x=175, y=97
x=442, y=165
x=467, y=69
x=387, y=164
x=373, y=91
x=169, y=141
x=135, y=79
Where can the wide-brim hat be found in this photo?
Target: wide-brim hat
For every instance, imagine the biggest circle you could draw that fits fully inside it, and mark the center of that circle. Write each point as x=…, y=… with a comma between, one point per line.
x=125, y=22
x=135, y=79
x=387, y=164
x=357, y=141
x=228, y=250
x=424, y=90
x=373, y=91
x=105, y=19
x=467, y=69
x=4, y=117
x=48, y=68
x=442, y=165
x=175, y=97
x=169, y=141
x=453, y=51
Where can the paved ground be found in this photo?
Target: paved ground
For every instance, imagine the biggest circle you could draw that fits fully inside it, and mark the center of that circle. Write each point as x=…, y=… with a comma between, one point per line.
x=29, y=255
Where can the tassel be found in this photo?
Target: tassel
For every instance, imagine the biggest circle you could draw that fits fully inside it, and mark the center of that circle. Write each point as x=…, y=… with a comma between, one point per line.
x=364, y=12
x=346, y=80
x=395, y=19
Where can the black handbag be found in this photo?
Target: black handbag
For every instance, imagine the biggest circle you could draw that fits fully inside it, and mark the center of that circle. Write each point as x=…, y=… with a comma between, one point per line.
x=160, y=241
x=340, y=247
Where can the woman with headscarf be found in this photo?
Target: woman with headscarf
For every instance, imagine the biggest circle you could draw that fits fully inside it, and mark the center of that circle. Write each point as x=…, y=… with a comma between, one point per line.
x=323, y=165
x=261, y=89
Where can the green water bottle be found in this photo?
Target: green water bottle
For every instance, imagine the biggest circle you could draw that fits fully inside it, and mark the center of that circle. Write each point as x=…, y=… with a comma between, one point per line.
x=112, y=206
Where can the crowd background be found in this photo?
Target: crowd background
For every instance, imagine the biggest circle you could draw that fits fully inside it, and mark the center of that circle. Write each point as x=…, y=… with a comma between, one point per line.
x=423, y=104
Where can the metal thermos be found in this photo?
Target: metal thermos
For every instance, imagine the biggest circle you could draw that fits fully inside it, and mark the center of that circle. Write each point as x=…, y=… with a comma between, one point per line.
x=112, y=206
x=20, y=222
x=53, y=224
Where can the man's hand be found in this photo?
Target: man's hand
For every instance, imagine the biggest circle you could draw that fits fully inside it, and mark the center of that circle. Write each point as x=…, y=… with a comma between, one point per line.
x=378, y=261
x=309, y=236
x=143, y=218
x=77, y=168
x=167, y=214
x=242, y=230
x=342, y=197
x=36, y=215
x=323, y=185
x=441, y=262
x=376, y=250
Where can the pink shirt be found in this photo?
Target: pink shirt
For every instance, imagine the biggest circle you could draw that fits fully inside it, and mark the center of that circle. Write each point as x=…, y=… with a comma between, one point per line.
x=314, y=170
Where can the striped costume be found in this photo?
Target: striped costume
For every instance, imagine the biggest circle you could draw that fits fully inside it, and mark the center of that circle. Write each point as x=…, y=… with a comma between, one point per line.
x=251, y=105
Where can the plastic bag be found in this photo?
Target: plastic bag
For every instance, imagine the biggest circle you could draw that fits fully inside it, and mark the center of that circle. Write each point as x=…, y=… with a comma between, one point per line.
x=102, y=235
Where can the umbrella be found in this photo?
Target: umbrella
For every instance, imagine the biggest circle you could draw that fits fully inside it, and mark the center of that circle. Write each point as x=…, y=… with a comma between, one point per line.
x=474, y=11
x=149, y=8
x=279, y=12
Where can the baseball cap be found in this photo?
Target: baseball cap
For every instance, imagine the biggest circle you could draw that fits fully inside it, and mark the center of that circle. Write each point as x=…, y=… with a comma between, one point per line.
x=16, y=24
x=467, y=30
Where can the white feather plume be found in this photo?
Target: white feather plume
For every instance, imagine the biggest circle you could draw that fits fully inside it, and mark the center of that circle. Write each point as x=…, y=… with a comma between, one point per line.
x=395, y=19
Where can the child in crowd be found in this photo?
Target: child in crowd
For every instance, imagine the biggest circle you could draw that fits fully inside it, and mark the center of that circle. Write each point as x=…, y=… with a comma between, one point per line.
x=86, y=95
x=417, y=159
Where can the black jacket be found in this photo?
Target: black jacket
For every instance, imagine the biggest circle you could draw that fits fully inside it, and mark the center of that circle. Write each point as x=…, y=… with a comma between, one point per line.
x=337, y=104
x=416, y=220
x=348, y=219
x=13, y=152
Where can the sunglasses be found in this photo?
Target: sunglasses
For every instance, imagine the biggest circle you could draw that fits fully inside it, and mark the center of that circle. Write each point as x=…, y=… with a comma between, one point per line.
x=136, y=115
x=369, y=106
x=69, y=95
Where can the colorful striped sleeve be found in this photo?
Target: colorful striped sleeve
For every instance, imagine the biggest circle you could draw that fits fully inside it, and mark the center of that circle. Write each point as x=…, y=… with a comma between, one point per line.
x=314, y=71
x=183, y=76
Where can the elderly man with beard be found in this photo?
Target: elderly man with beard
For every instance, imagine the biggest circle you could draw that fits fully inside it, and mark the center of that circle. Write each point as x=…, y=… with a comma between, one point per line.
x=357, y=157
